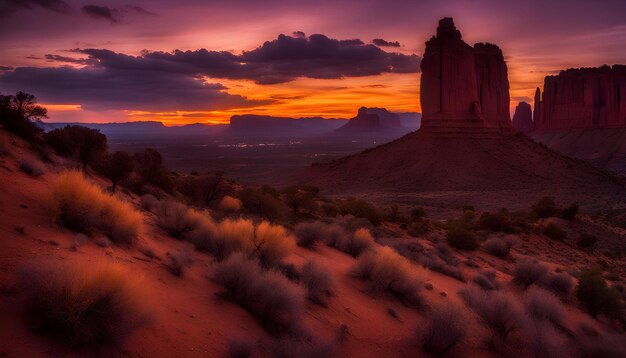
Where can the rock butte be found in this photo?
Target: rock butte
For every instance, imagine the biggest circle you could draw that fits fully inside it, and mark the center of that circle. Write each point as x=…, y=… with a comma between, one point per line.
x=523, y=118
x=582, y=98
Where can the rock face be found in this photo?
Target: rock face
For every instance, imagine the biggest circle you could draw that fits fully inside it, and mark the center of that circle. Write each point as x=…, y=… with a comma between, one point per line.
x=461, y=84
x=523, y=118
x=584, y=98
x=374, y=122
x=537, y=109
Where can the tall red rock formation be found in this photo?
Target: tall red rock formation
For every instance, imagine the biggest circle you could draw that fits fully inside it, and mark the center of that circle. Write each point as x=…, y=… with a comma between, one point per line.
x=493, y=84
x=523, y=118
x=584, y=98
x=461, y=85
x=537, y=109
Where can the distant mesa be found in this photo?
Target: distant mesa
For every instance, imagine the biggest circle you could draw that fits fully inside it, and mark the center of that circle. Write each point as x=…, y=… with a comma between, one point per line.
x=583, y=98
x=523, y=118
x=463, y=86
x=380, y=122
x=252, y=125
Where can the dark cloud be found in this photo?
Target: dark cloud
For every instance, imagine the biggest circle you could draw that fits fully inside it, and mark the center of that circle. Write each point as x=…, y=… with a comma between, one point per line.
x=9, y=6
x=299, y=34
x=385, y=43
x=105, y=88
x=6, y=68
x=114, y=15
x=66, y=59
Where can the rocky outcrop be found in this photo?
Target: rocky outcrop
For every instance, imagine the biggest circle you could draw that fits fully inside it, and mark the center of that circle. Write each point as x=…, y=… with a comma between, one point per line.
x=537, y=109
x=374, y=122
x=584, y=98
x=523, y=118
x=493, y=84
x=462, y=85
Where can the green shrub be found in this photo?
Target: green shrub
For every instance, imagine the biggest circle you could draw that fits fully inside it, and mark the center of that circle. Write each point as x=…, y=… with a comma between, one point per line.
x=554, y=232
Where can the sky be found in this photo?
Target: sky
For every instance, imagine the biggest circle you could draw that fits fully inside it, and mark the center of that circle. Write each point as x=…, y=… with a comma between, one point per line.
x=199, y=61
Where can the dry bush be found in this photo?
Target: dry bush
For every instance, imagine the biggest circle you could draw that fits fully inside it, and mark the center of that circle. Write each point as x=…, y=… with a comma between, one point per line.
x=499, y=311
x=486, y=280
x=149, y=202
x=179, y=260
x=85, y=305
x=499, y=221
x=462, y=239
x=387, y=271
x=543, y=341
x=319, y=283
x=354, y=244
x=275, y=302
x=543, y=305
x=361, y=209
x=554, y=232
x=82, y=206
x=560, y=283
x=229, y=204
x=545, y=208
x=596, y=296
x=445, y=330
x=411, y=249
x=309, y=234
x=238, y=234
x=272, y=243
x=177, y=219
x=32, y=168
x=528, y=272
x=497, y=246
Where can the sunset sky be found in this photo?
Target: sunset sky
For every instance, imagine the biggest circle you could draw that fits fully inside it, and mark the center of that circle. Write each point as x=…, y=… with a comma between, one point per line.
x=203, y=61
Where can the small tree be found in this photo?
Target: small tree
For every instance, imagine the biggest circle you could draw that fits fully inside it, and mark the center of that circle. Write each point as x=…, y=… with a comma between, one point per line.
x=301, y=198
x=19, y=113
x=150, y=166
x=77, y=141
x=117, y=167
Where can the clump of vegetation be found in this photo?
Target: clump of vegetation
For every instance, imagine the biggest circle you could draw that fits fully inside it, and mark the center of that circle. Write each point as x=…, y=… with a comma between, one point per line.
x=570, y=212
x=354, y=244
x=499, y=311
x=85, y=305
x=177, y=219
x=543, y=305
x=149, y=165
x=265, y=202
x=116, y=167
x=319, y=283
x=445, y=330
x=497, y=246
x=203, y=190
x=19, y=114
x=180, y=259
x=301, y=199
x=560, y=283
x=73, y=141
x=311, y=233
x=586, y=241
x=149, y=202
x=443, y=261
x=271, y=243
x=499, y=222
x=387, y=271
x=554, y=232
x=32, y=168
x=462, y=239
x=230, y=204
x=418, y=213
x=486, y=280
x=528, y=272
x=596, y=296
x=545, y=208
x=82, y=206
x=361, y=209
x=275, y=302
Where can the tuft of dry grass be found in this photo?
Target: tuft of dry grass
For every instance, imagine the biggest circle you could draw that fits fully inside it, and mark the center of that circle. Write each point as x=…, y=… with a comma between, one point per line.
x=271, y=243
x=445, y=330
x=32, y=167
x=85, y=305
x=149, y=202
x=543, y=305
x=177, y=219
x=354, y=245
x=387, y=271
x=179, y=260
x=274, y=301
x=229, y=204
x=319, y=283
x=528, y=272
x=81, y=206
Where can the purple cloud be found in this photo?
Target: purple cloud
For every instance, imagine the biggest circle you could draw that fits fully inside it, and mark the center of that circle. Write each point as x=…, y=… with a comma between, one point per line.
x=385, y=43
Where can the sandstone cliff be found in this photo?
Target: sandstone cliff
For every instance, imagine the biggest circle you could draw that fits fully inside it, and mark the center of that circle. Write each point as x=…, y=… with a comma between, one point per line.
x=584, y=98
x=523, y=118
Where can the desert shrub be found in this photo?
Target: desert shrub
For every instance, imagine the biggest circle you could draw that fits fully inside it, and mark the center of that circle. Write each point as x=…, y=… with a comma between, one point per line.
x=411, y=249
x=387, y=271
x=418, y=213
x=32, y=168
x=570, y=212
x=528, y=272
x=418, y=228
x=554, y=232
x=596, y=296
x=309, y=234
x=499, y=221
x=177, y=219
x=116, y=167
x=560, y=283
x=497, y=246
x=85, y=305
x=19, y=114
x=499, y=311
x=180, y=259
x=272, y=243
x=361, y=209
x=354, y=244
x=263, y=203
x=545, y=208
x=202, y=190
x=301, y=198
x=82, y=206
x=88, y=145
x=486, y=280
x=462, y=239
x=319, y=283
x=444, y=261
x=444, y=331
x=149, y=202
x=149, y=166
x=543, y=341
x=543, y=305
x=586, y=241
x=229, y=204
x=275, y=302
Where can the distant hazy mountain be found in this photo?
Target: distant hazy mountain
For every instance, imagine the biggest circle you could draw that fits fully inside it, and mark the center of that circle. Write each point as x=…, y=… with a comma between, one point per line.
x=251, y=125
x=144, y=129
x=379, y=122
